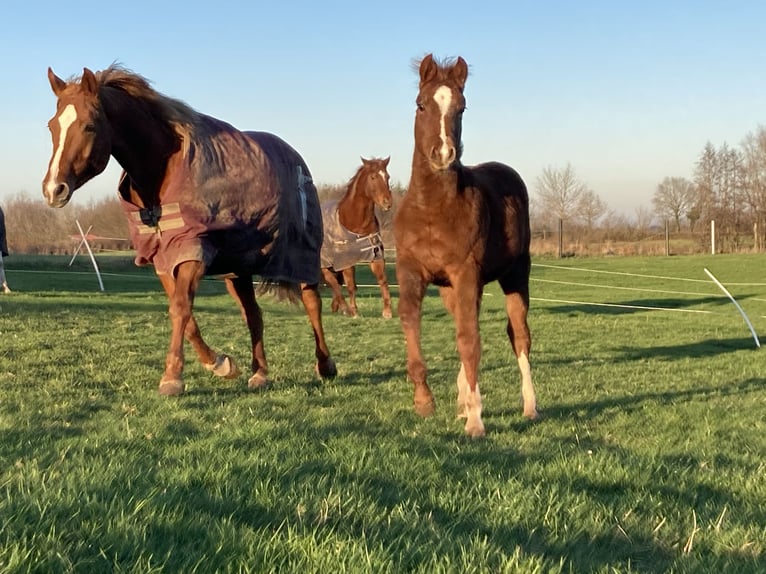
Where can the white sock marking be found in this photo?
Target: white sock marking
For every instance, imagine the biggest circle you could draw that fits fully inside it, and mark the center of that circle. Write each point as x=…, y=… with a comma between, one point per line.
x=527, y=389
x=66, y=119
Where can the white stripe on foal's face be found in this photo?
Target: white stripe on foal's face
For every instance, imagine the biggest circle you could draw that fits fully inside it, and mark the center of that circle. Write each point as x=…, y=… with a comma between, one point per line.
x=66, y=119
x=443, y=98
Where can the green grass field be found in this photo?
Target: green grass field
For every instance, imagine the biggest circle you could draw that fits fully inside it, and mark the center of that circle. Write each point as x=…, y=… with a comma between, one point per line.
x=649, y=456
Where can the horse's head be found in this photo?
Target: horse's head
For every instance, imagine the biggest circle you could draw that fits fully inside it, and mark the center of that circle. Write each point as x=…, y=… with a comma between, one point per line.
x=439, y=116
x=81, y=137
x=375, y=183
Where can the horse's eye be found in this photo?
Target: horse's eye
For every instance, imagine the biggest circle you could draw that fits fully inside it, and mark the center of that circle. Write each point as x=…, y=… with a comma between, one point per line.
x=90, y=128
x=421, y=107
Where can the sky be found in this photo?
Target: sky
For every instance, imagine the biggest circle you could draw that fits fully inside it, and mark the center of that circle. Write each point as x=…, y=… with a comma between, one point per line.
x=628, y=93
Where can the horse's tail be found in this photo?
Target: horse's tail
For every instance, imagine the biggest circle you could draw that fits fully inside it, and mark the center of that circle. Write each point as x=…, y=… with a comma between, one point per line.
x=280, y=290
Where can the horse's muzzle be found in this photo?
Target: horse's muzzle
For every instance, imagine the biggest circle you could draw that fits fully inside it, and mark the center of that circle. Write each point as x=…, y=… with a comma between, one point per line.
x=57, y=195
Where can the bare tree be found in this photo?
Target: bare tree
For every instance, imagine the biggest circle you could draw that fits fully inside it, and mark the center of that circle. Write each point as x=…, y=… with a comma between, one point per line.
x=673, y=199
x=754, y=174
x=643, y=221
x=560, y=191
x=705, y=176
x=591, y=208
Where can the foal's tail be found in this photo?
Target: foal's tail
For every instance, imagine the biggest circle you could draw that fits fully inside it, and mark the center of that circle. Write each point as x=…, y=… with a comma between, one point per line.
x=280, y=290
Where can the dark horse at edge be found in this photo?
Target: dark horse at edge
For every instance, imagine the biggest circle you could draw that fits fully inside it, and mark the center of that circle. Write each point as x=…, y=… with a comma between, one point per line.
x=202, y=198
x=352, y=235
x=460, y=227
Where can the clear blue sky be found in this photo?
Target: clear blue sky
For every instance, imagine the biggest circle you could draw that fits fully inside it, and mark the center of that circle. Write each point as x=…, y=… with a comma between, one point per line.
x=628, y=93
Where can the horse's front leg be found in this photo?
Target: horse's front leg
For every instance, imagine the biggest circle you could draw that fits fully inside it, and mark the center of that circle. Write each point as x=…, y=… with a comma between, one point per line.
x=465, y=298
x=349, y=276
x=378, y=268
x=312, y=302
x=187, y=279
x=221, y=365
x=241, y=289
x=338, y=302
x=411, y=291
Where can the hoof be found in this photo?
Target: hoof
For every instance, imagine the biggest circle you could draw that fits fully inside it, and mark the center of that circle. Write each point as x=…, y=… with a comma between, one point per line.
x=424, y=401
x=257, y=381
x=224, y=366
x=172, y=388
x=327, y=370
x=425, y=409
x=387, y=314
x=475, y=429
x=532, y=414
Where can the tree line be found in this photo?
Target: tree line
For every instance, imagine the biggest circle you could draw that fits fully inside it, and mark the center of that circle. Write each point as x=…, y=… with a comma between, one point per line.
x=728, y=187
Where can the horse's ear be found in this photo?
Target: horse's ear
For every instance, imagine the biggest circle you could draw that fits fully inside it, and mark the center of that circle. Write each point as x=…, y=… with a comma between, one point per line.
x=428, y=69
x=460, y=72
x=364, y=161
x=385, y=161
x=89, y=82
x=57, y=84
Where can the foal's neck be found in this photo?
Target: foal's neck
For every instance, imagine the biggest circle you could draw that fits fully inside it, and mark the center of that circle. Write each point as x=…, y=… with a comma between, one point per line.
x=433, y=186
x=356, y=210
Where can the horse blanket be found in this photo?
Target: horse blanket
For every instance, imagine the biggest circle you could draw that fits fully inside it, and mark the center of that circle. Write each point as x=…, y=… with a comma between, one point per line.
x=240, y=202
x=343, y=248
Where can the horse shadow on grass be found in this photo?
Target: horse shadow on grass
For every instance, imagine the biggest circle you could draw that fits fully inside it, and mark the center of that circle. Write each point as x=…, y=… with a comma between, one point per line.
x=699, y=349
x=637, y=402
x=408, y=516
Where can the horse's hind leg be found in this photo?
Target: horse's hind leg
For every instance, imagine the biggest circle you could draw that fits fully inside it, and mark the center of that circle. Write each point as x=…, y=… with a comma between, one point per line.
x=181, y=294
x=313, y=304
x=241, y=289
x=517, y=306
x=349, y=277
x=378, y=268
x=338, y=302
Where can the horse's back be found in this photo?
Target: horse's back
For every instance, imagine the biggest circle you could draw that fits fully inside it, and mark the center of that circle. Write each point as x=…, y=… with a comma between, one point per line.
x=278, y=150
x=506, y=200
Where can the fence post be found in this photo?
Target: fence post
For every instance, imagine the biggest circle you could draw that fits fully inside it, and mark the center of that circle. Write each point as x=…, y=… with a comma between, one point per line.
x=561, y=235
x=712, y=236
x=667, y=238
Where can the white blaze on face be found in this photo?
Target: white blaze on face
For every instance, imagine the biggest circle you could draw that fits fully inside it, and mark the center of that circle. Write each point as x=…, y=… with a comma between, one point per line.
x=66, y=119
x=382, y=174
x=443, y=98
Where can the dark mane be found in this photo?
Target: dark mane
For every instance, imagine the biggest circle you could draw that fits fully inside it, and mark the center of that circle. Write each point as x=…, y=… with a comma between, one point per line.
x=163, y=107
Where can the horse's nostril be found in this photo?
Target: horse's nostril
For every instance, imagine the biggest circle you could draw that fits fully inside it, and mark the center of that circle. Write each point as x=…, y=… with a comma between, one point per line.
x=57, y=195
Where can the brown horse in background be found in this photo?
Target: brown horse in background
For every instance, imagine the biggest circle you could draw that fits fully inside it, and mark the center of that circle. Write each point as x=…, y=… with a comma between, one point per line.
x=352, y=235
x=202, y=198
x=459, y=228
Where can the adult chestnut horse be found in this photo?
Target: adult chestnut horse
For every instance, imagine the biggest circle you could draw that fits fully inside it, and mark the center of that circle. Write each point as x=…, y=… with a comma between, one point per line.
x=459, y=228
x=201, y=197
x=352, y=235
